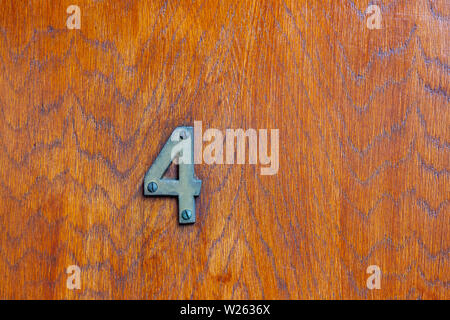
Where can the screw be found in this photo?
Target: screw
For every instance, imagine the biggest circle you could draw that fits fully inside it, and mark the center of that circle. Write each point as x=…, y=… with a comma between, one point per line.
x=152, y=187
x=183, y=135
x=186, y=214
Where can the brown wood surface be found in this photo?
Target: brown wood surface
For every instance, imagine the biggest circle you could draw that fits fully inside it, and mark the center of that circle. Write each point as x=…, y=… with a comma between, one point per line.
x=364, y=149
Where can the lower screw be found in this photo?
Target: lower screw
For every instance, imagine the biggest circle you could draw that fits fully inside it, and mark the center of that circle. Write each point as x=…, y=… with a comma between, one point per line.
x=186, y=214
x=152, y=187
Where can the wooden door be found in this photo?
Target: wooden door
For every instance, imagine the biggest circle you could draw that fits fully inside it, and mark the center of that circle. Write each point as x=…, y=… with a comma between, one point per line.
x=363, y=117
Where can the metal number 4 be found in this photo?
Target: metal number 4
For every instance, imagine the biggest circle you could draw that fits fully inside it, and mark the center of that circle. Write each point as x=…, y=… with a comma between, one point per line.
x=179, y=149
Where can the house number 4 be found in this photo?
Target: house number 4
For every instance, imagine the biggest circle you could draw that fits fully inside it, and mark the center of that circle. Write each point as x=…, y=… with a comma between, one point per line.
x=180, y=150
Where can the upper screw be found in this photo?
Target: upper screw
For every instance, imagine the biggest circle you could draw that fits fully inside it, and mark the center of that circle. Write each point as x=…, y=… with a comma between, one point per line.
x=152, y=187
x=186, y=214
x=183, y=135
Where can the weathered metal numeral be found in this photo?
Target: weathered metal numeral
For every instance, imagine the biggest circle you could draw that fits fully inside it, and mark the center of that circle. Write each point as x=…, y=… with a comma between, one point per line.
x=179, y=148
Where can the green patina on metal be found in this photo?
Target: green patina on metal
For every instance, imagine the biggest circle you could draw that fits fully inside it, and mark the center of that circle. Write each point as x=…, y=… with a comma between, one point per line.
x=179, y=147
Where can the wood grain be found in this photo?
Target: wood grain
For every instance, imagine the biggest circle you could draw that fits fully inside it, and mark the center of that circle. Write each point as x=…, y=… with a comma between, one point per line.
x=364, y=156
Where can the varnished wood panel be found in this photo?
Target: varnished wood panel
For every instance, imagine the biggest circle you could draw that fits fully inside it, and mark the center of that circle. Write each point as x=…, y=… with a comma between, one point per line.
x=364, y=149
